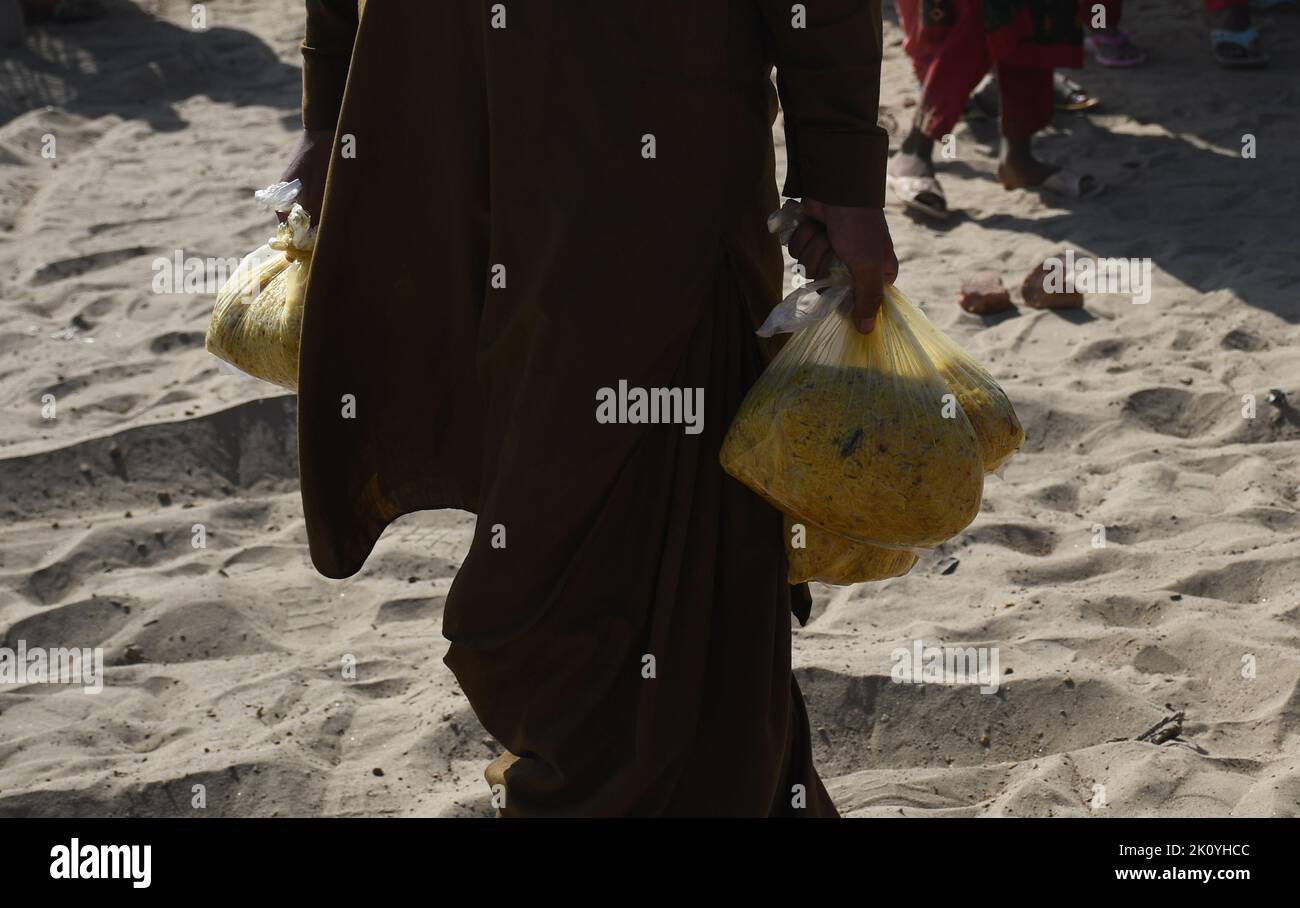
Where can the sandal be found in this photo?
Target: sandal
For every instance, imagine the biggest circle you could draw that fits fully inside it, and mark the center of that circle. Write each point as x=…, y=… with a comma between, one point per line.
x=1071, y=185
x=1070, y=95
x=1114, y=49
x=923, y=194
x=1247, y=41
x=1061, y=182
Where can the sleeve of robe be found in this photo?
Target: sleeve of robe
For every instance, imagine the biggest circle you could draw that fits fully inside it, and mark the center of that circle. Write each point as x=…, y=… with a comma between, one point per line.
x=326, y=54
x=828, y=77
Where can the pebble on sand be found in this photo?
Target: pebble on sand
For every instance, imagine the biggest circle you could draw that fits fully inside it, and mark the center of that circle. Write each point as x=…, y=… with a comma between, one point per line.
x=1037, y=296
x=983, y=293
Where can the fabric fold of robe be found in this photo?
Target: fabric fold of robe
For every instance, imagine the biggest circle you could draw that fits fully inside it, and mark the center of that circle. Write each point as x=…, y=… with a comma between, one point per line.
x=543, y=210
x=652, y=676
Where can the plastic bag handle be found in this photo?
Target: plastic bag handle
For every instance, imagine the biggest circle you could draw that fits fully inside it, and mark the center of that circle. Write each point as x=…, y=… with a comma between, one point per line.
x=811, y=303
x=279, y=197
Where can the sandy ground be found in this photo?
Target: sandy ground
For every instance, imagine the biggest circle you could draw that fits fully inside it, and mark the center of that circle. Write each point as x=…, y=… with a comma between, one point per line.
x=223, y=662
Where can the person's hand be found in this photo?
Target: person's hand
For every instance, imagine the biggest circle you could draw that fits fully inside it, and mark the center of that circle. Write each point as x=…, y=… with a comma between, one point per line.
x=311, y=164
x=859, y=237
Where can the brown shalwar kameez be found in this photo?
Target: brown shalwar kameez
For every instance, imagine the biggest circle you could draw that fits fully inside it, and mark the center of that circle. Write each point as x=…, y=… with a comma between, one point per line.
x=535, y=212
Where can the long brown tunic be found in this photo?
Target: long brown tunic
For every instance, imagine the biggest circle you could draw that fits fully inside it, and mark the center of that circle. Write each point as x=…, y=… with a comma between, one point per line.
x=524, y=153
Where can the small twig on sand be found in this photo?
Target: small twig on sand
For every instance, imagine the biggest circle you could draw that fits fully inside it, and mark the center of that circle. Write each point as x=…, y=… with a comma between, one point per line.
x=1166, y=729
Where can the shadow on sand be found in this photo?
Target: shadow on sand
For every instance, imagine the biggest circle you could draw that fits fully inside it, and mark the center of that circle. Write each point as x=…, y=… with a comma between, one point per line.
x=136, y=66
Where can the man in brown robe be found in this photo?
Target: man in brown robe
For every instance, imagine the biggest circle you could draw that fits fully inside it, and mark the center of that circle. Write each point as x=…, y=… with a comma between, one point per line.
x=527, y=202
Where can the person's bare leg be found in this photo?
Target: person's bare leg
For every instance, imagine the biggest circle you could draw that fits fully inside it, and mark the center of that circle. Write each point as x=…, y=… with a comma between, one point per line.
x=915, y=158
x=1026, y=109
x=1017, y=166
x=950, y=75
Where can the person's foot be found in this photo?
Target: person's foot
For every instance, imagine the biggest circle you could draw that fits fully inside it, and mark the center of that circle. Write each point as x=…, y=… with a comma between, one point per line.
x=1110, y=46
x=1019, y=169
x=911, y=164
x=1234, y=40
x=1068, y=95
x=911, y=176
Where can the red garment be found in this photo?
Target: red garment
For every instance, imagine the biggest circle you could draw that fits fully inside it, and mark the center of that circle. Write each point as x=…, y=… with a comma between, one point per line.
x=950, y=69
x=1026, y=36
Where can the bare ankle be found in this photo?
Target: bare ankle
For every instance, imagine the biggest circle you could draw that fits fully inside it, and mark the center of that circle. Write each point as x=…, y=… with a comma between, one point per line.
x=918, y=144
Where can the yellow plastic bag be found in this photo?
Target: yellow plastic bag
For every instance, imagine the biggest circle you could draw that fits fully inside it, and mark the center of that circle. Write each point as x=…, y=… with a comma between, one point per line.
x=828, y=558
x=986, y=405
x=257, y=319
x=856, y=434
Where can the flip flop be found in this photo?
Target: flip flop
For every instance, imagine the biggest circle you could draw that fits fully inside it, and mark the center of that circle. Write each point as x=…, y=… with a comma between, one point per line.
x=1071, y=185
x=910, y=191
x=1246, y=39
x=1070, y=95
x=1108, y=50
